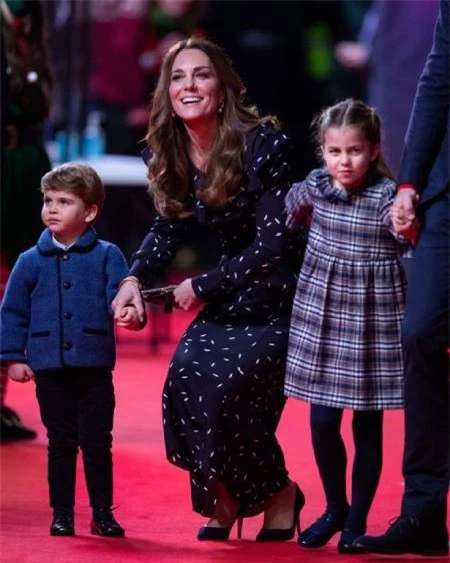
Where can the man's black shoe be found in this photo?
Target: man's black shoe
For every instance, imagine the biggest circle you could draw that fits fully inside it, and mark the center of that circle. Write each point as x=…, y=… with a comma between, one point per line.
x=408, y=534
x=62, y=524
x=104, y=524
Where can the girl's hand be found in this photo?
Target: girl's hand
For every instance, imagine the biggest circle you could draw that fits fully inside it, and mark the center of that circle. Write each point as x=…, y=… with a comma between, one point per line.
x=185, y=297
x=403, y=211
x=20, y=372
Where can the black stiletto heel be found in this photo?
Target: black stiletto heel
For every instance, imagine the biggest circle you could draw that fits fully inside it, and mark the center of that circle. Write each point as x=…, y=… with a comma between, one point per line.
x=267, y=534
x=209, y=533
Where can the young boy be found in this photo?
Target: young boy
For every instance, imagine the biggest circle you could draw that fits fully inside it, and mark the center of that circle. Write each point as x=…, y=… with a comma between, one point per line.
x=57, y=328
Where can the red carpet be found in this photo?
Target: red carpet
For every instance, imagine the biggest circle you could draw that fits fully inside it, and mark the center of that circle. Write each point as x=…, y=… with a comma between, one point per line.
x=152, y=496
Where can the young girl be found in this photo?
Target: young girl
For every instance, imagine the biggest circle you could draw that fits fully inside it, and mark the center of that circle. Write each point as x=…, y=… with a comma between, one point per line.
x=344, y=343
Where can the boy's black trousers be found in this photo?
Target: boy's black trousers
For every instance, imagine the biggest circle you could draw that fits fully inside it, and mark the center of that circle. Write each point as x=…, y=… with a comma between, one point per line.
x=77, y=409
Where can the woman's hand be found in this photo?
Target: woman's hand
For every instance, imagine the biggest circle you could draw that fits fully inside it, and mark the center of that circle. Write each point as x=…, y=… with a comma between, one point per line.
x=128, y=307
x=20, y=372
x=185, y=297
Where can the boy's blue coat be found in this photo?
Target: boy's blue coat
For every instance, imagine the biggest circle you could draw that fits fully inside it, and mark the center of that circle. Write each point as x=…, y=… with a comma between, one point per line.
x=56, y=311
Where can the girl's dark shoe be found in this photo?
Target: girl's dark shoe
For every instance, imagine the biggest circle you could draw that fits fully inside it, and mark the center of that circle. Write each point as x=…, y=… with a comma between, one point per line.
x=210, y=533
x=104, y=524
x=267, y=534
x=345, y=543
x=323, y=529
x=62, y=524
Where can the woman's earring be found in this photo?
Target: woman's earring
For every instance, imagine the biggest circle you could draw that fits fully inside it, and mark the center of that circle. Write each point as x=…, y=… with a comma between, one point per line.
x=221, y=107
x=173, y=114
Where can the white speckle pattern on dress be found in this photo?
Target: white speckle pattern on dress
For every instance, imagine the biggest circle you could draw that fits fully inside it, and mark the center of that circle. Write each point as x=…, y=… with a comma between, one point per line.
x=223, y=396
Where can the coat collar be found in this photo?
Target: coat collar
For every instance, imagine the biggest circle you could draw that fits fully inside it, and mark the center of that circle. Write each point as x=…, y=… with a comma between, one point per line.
x=86, y=242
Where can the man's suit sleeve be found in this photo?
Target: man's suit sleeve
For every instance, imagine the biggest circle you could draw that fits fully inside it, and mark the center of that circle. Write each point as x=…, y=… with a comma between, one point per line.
x=429, y=118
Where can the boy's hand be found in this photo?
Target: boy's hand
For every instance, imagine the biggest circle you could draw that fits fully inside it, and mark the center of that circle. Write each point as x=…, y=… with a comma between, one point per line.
x=20, y=372
x=128, y=318
x=128, y=294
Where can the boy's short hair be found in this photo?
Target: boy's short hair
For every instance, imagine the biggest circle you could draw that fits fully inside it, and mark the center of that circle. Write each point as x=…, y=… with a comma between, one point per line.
x=77, y=178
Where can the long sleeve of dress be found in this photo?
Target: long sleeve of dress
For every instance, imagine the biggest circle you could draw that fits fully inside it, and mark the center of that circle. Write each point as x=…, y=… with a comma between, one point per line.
x=264, y=254
x=298, y=205
x=158, y=249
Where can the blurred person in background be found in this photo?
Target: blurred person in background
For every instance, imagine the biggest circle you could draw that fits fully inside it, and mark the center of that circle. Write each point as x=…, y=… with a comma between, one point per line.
x=26, y=97
x=391, y=63
x=116, y=80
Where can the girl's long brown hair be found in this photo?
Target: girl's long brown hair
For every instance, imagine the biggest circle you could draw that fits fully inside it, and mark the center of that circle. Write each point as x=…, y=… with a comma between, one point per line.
x=169, y=167
x=353, y=113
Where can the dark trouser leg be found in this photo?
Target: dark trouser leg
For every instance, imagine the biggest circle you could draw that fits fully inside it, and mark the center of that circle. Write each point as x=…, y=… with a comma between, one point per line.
x=330, y=454
x=57, y=404
x=368, y=438
x=425, y=349
x=95, y=423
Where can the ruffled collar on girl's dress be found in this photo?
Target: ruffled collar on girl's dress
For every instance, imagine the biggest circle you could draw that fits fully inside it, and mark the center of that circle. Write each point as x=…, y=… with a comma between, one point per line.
x=334, y=194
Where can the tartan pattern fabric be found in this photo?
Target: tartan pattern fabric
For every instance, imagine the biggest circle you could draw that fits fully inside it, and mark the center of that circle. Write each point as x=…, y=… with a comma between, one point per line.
x=344, y=343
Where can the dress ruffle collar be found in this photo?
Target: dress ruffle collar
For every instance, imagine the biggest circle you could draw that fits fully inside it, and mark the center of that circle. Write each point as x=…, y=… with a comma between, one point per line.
x=334, y=194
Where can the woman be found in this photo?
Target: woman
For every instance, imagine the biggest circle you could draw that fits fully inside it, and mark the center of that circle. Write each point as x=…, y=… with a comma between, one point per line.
x=212, y=159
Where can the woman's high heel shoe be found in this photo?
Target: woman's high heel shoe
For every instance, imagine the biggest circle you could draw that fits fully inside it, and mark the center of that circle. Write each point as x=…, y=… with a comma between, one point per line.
x=210, y=533
x=276, y=534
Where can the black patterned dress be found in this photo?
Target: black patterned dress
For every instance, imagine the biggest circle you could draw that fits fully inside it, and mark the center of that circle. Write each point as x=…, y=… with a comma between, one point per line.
x=223, y=396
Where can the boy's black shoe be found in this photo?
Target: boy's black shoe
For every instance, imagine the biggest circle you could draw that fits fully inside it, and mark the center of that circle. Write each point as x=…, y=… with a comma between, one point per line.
x=12, y=428
x=104, y=524
x=62, y=524
x=408, y=534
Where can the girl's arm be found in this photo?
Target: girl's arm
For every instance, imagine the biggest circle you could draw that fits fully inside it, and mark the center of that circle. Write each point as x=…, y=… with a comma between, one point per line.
x=298, y=206
x=391, y=215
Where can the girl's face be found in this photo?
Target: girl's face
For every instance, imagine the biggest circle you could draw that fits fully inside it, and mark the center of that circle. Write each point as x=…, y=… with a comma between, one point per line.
x=347, y=155
x=66, y=215
x=194, y=88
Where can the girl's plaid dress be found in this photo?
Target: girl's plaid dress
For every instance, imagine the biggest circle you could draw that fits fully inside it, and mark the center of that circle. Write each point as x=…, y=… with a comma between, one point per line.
x=344, y=344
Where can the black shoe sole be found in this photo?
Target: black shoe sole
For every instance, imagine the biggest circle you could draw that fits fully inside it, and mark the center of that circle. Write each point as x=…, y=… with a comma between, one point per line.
x=423, y=552
x=62, y=533
x=96, y=532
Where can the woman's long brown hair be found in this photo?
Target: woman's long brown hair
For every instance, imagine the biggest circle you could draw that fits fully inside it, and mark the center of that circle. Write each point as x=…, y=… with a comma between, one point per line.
x=169, y=167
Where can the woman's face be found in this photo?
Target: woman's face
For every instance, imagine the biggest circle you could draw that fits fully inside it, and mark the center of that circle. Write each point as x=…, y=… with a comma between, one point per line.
x=194, y=88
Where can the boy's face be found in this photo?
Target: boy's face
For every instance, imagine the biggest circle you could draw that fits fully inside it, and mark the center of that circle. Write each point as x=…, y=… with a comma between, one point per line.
x=66, y=215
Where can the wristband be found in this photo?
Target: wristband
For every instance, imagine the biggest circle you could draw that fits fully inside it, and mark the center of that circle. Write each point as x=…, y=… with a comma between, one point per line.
x=132, y=279
x=406, y=187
